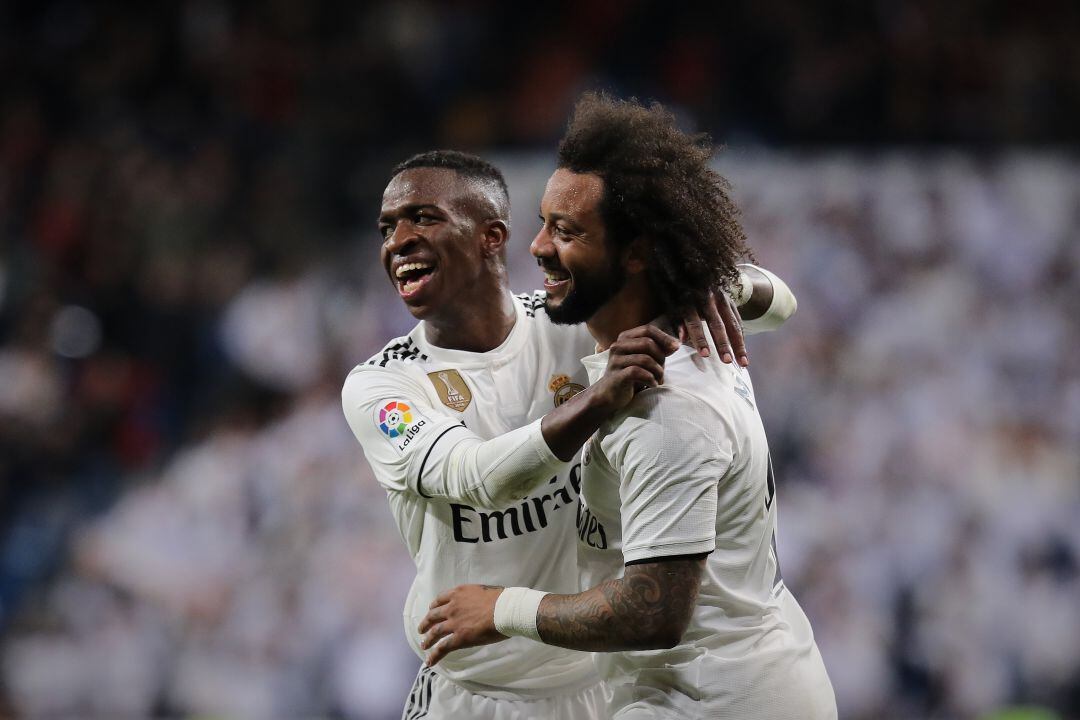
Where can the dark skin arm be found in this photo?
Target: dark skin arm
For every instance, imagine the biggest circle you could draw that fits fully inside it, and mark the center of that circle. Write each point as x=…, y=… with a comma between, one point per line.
x=648, y=608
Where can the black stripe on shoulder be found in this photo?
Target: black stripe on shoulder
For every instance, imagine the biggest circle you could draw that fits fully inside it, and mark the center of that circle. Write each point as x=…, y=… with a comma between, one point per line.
x=404, y=351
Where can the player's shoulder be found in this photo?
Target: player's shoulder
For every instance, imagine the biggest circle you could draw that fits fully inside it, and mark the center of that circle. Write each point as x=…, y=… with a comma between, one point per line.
x=687, y=369
x=707, y=385
x=395, y=367
x=693, y=386
x=399, y=351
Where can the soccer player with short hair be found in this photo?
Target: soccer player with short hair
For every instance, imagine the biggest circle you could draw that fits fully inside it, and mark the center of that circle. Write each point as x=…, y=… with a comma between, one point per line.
x=467, y=425
x=685, y=604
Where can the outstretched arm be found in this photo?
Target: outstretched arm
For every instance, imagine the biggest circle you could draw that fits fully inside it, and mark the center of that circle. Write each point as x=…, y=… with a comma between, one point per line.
x=647, y=609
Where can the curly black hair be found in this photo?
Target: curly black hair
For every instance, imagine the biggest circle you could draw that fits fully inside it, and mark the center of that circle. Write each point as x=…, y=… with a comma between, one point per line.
x=464, y=164
x=658, y=185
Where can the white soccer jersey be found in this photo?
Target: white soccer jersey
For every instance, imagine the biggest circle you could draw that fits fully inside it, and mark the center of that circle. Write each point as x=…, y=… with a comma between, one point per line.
x=400, y=403
x=685, y=469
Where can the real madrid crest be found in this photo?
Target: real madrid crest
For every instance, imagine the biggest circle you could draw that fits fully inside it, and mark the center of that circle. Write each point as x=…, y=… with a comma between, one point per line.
x=451, y=389
x=563, y=388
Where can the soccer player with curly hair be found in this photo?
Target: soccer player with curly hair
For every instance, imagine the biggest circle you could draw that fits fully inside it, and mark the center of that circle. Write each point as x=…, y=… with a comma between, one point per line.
x=685, y=606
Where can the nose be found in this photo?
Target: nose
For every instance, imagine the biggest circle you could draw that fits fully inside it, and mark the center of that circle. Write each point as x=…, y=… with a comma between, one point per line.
x=541, y=246
x=401, y=237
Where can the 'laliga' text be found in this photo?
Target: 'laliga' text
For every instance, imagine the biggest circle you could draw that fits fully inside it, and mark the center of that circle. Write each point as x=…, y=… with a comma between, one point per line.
x=410, y=434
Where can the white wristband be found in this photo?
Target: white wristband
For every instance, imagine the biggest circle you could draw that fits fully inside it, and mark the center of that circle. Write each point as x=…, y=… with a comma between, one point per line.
x=742, y=291
x=782, y=307
x=515, y=612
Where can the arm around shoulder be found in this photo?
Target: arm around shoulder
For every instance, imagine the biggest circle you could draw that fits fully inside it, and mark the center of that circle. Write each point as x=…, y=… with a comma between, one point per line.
x=414, y=446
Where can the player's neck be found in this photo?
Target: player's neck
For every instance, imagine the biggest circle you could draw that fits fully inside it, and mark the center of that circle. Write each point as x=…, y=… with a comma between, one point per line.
x=633, y=305
x=475, y=325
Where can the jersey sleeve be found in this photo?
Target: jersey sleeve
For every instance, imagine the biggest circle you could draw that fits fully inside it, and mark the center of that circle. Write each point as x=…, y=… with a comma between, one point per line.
x=389, y=414
x=413, y=446
x=670, y=452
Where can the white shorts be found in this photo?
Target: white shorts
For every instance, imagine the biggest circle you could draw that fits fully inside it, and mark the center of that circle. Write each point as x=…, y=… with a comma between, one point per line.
x=433, y=697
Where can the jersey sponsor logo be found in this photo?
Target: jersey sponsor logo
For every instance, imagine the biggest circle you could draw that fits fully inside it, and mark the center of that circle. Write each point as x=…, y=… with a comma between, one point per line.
x=451, y=388
x=590, y=529
x=530, y=515
x=399, y=423
x=563, y=388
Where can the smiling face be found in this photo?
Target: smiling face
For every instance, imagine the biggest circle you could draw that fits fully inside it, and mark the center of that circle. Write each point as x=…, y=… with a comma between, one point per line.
x=434, y=244
x=581, y=273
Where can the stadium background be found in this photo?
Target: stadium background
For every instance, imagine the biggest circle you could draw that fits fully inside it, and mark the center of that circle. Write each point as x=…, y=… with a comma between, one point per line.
x=187, y=271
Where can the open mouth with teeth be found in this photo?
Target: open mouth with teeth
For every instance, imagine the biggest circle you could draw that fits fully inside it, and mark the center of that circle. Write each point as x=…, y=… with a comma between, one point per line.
x=412, y=276
x=555, y=279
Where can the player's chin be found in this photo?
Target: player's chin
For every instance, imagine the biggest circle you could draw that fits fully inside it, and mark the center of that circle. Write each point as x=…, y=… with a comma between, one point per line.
x=423, y=310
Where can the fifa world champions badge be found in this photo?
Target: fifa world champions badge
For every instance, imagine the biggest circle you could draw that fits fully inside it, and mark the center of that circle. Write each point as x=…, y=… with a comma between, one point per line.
x=451, y=388
x=400, y=423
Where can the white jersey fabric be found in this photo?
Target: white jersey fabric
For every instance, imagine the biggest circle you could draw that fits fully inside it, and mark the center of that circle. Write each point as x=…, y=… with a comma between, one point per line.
x=433, y=697
x=406, y=405
x=683, y=470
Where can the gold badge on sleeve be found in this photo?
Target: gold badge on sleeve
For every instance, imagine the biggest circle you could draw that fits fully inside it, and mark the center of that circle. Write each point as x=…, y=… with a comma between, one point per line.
x=563, y=388
x=451, y=389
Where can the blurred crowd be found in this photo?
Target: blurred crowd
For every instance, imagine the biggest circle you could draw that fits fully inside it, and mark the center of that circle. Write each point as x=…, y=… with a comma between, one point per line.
x=187, y=197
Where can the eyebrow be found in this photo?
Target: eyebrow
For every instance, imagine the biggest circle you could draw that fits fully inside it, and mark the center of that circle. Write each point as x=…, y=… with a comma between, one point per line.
x=406, y=209
x=556, y=216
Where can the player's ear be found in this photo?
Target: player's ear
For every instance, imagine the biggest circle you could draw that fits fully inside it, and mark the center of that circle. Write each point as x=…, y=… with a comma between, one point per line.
x=636, y=255
x=495, y=236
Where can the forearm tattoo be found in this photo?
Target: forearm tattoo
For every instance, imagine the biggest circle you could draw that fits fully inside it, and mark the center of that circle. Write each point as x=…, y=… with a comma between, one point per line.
x=647, y=608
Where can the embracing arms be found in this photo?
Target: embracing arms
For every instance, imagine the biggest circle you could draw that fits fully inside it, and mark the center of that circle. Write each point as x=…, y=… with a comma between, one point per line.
x=666, y=499
x=648, y=608
x=430, y=452
x=414, y=446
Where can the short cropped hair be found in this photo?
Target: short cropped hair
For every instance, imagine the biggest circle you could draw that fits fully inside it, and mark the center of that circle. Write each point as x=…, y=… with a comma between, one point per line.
x=464, y=164
x=658, y=185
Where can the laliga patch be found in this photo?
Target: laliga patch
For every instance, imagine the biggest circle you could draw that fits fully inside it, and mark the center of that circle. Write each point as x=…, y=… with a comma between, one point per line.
x=451, y=389
x=563, y=389
x=400, y=423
